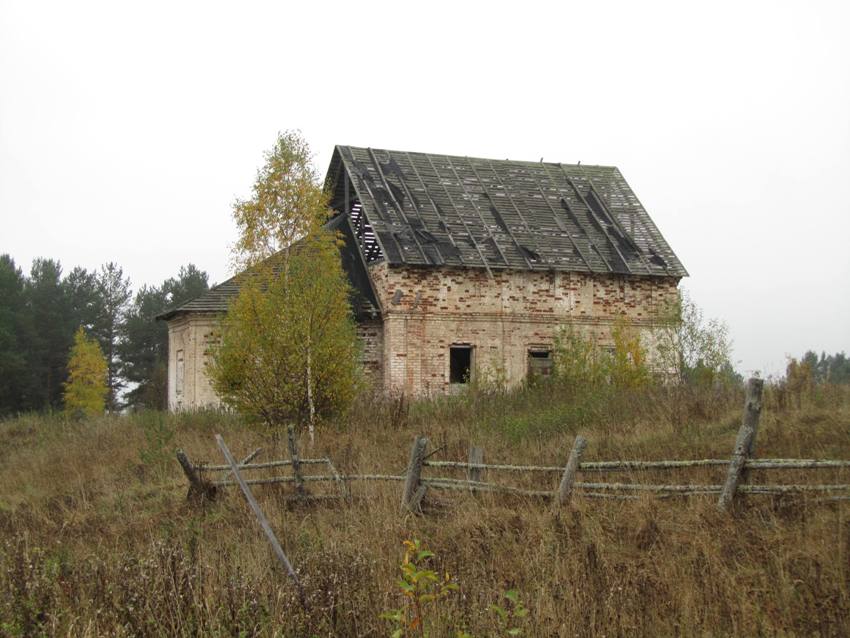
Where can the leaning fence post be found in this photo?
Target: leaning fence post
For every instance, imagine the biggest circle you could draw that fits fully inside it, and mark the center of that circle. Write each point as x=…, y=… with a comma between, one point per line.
x=264, y=522
x=744, y=443
x=300, y=490
x=565, y=489
x=476, y=457
x=414, y=492
x=199, y=489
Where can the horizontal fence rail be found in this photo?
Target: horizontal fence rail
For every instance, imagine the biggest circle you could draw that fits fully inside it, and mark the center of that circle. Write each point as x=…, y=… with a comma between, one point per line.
x=259, y=466
x=417, y=482
x=316, y=478
x=602, y=466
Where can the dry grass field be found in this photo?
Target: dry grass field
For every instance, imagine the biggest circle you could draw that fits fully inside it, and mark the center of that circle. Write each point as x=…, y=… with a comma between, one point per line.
x=99, y=539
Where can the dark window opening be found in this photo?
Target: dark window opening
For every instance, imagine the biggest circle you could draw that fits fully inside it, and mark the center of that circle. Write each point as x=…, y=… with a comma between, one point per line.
x=460, y=364
x=540, y=363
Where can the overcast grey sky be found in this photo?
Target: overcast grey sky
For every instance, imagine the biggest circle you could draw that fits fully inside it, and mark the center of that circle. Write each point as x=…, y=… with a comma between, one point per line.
x=127, y=129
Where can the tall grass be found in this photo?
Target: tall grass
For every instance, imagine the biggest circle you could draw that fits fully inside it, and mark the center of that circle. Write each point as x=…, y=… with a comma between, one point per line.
x=98, y=538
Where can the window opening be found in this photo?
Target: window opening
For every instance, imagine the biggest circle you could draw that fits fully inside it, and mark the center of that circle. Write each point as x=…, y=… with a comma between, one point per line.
x=180, y=372
x=540, y=363
x=460, y=364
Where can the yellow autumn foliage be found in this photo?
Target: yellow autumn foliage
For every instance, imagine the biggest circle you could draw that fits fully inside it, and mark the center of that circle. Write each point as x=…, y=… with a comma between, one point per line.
x=85, y=389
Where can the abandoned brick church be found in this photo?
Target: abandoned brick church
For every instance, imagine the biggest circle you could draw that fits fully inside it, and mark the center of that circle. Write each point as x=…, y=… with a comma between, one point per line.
x=463, y=266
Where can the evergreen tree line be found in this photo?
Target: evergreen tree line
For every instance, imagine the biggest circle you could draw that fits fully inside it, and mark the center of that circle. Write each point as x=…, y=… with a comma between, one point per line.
x=41, y=312
x=827, y=368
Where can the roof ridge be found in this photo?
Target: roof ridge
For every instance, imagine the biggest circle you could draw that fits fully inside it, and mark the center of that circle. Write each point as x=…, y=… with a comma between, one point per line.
x=472, y=157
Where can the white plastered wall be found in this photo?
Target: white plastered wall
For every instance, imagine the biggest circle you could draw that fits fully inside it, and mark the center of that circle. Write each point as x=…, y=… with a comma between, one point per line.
x=188, y=338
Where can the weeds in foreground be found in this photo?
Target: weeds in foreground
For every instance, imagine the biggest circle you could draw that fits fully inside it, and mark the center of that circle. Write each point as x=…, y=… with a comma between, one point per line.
x=159, y=439
x=422, y=589
x=95, y=544
x=511, y=613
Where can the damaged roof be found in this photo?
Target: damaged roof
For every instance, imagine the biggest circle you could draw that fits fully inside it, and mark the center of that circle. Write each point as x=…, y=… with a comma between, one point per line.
x=364, y=300
x=426, y=209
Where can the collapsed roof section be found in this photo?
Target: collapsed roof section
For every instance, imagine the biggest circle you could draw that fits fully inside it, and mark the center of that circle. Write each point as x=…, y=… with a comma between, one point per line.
x=432, y=210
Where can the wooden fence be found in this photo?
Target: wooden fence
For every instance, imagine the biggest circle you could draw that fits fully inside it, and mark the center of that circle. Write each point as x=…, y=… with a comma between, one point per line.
x=417, y=479
x=203, y=486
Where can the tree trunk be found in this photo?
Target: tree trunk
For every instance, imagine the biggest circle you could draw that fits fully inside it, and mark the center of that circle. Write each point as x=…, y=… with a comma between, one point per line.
x=310, y=404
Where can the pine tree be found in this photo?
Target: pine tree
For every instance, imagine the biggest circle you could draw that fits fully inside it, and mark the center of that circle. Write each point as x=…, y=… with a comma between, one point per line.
x=86, y=389
x=84, y=298
x=48, y=334
x=144, y=349
x=13, y=358
x=144, y=345
x=115, y=293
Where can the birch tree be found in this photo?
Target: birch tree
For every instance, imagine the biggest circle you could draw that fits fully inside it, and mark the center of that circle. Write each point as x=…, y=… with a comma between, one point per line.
x=692, y=349
x=287, y=349
x=286, y=205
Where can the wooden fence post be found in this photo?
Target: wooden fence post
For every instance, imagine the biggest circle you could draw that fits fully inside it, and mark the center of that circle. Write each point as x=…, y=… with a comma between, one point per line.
x=414, y=492
x=744, y=443
x=565, y=490
x=476, y=457
x=264, y=522
x=199, y=489
x=300, y=490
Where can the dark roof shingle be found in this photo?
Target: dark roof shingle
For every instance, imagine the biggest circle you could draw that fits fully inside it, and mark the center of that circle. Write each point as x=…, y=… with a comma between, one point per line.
x=427, y=209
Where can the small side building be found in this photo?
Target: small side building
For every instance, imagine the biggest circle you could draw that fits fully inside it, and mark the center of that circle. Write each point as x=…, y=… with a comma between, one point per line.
x=465, y=266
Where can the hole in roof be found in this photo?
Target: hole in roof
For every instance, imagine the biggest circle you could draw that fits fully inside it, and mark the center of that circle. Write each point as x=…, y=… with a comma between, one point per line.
x=365, y=234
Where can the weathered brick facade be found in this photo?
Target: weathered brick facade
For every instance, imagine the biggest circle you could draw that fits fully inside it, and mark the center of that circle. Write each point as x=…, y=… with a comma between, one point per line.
x=427, y=310
x=370, y=332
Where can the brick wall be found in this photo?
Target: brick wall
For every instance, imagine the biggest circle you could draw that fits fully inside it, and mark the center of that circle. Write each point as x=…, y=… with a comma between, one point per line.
x=426, y=310
x=370, y=332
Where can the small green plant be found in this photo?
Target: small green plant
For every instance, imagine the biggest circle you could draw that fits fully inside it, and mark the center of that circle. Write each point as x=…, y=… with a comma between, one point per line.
x=628, y=362
x=422, y=589
x=490, y=380
x=511, y=614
